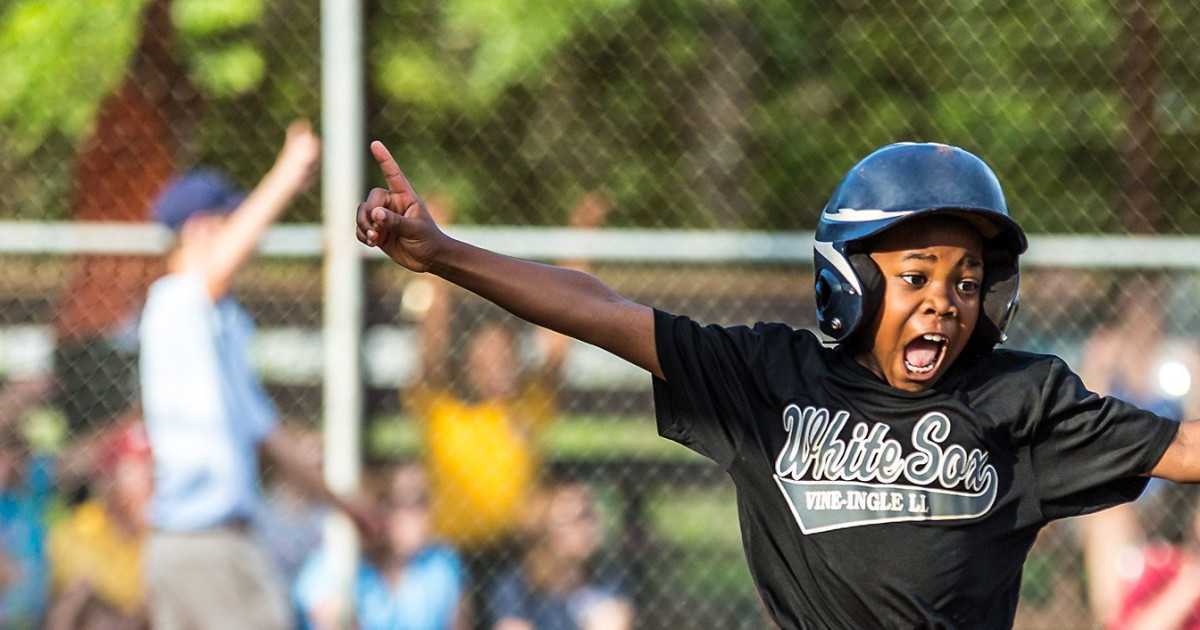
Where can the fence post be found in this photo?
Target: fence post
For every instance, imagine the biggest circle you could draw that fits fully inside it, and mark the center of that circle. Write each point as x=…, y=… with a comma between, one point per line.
x=343, y=112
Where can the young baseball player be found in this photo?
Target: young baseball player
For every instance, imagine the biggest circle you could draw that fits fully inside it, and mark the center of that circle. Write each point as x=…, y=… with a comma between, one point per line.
x=897, y=478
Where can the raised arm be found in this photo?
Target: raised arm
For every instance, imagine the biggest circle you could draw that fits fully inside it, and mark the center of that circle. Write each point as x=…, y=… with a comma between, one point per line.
x=238, y=238
x=590, y=213
x=567, y=301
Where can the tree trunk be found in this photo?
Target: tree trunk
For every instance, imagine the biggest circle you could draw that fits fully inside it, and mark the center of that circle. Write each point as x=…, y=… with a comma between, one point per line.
x=1141, y=212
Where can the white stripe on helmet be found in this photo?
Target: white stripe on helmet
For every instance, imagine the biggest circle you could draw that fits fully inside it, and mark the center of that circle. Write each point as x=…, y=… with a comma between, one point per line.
x=839, y=262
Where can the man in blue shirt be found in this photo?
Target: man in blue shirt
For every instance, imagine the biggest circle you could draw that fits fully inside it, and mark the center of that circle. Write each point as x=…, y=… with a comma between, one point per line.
x=206, y=413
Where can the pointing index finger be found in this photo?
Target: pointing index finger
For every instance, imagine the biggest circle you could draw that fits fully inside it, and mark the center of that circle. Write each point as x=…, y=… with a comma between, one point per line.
x=396, y=180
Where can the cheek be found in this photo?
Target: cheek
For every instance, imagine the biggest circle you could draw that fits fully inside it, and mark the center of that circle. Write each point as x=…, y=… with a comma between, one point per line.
x=970, y=310
x=891, y=320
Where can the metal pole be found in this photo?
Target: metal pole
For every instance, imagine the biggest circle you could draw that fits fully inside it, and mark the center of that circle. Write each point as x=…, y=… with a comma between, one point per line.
x=342, y=185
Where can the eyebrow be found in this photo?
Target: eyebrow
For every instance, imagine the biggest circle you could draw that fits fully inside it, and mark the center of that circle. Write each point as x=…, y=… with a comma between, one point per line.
x=968, y=261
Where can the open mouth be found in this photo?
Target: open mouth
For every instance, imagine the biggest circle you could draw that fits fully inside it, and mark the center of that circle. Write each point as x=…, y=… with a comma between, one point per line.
x=923, y=354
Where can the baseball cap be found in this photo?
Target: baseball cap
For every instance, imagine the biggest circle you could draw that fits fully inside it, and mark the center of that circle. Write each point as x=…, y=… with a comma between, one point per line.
x=198, y=190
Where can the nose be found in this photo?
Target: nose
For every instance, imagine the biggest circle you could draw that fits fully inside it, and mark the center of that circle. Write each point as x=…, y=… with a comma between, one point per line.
x=940, y=300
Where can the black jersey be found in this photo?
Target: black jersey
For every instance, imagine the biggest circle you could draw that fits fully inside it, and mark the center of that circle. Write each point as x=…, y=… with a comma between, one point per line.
x=865, y=506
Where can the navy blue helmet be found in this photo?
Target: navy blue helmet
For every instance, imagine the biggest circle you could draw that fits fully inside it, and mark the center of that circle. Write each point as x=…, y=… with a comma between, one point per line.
x=894, y=184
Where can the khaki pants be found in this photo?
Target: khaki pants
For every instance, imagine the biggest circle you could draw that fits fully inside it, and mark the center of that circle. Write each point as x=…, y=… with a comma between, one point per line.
x=213, y=580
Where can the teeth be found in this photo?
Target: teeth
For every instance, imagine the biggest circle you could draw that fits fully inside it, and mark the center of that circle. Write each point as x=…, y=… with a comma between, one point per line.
x=934, y=337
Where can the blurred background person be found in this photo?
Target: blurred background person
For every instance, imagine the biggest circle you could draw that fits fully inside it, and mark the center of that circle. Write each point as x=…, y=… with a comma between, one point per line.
x=1162, y=589
x=78, y=608
x=26, y=487
x=95, y=551
x=483, y=394
x=560, y=583
x=1134, y=357
x=406, y=580
x=206, y=413
x=32, y=478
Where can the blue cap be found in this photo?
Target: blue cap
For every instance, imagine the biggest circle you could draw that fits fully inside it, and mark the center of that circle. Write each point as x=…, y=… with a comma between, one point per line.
x=200, y=190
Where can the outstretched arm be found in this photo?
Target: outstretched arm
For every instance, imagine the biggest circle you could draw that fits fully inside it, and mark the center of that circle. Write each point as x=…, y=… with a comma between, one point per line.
x=568, y=301
x=286, y=452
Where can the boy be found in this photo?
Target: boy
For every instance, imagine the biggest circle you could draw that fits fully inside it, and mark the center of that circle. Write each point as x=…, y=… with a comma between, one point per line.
x=899, y=478
x=206, y=413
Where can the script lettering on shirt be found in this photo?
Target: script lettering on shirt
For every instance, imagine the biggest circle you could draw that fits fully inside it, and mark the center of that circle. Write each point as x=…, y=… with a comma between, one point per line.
x=833, y=482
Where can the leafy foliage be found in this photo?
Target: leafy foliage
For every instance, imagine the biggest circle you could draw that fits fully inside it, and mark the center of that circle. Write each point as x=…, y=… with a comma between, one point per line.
x=710, y=113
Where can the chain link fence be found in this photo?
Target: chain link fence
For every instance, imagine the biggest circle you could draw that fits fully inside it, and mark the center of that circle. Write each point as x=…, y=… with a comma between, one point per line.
x=722, y=117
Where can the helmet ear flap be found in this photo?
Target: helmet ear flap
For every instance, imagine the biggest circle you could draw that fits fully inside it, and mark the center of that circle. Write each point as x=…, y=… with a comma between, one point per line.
x=841, y=306
x=1000, y=302
x=872, y=283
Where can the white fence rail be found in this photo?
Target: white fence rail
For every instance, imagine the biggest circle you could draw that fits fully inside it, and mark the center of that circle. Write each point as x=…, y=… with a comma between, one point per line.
x=629, y=245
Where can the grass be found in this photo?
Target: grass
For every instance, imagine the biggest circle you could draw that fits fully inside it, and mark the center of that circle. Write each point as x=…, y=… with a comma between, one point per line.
x=573, y=437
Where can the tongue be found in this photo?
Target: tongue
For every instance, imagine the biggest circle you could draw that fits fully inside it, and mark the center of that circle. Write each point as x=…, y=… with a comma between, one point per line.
x=921, y=353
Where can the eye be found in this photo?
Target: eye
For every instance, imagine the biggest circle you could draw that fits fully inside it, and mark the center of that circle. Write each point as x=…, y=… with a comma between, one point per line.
x=968, y=287
x=914, y=279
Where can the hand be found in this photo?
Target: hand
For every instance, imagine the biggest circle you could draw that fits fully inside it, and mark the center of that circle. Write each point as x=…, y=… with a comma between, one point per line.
x=396, y=221
x=592, y=210
x=299, y=158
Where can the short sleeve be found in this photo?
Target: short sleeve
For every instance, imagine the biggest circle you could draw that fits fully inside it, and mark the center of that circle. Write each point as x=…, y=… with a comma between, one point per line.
x=315, y=592
x=1090, y=452
x=709, y=383
x=313, y=587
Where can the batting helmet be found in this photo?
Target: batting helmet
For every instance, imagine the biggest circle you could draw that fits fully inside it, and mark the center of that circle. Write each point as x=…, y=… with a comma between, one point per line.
x=894, y=184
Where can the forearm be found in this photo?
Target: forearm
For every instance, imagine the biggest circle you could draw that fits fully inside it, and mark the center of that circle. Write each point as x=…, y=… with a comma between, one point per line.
x=240, y=236
x=237, y=241
x=283, y=451
x=567, y=301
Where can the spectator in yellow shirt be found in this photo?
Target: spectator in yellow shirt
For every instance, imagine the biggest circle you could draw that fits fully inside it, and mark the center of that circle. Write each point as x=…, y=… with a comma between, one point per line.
x=480, y=423
x=97, y=548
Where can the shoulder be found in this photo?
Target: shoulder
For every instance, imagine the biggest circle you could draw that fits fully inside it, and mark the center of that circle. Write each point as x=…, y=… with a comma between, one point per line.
x=683, y=329
x=423, y=396
x=441, y=555
x=1014, y=384
x=1017, y=365
x=174, y=292
x=84, y=522
x=177, y=283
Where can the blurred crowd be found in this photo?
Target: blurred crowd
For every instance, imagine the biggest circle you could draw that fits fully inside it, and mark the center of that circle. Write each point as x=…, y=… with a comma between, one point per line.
x=71, y=559
x=153, y=509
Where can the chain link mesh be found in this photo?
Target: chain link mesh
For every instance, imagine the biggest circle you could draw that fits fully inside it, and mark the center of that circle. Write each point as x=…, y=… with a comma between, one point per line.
x=678, y=114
